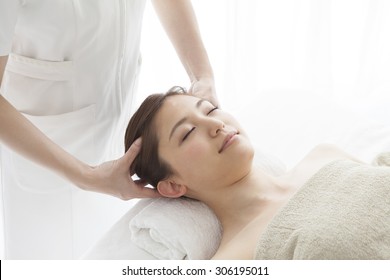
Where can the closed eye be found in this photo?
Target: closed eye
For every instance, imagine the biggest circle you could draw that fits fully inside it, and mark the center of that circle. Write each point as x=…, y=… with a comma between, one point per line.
x=188, y=134
x=212, y=110
x=190, y=131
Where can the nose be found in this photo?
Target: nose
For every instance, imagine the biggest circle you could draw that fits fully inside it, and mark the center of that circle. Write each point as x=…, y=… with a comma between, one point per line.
x=214, y=126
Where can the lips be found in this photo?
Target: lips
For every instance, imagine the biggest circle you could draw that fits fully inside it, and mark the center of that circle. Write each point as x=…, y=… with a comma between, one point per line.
x=228, y=139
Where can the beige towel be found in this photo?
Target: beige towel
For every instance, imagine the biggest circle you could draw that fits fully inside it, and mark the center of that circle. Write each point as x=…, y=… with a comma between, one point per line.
x=342, y=212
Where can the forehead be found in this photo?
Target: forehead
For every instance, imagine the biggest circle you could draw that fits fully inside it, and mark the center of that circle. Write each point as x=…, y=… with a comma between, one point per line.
x=173, y=109
x=176, y=105
x=178, y=101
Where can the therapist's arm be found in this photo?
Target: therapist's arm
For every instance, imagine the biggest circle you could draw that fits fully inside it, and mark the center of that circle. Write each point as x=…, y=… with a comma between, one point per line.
x=112, y=177
x=179, y=21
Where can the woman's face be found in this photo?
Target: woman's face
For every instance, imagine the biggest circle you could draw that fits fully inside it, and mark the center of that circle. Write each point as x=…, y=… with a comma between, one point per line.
x=205, y=146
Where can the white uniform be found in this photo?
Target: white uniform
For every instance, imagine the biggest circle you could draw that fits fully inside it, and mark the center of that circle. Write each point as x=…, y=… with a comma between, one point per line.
x=72, y=70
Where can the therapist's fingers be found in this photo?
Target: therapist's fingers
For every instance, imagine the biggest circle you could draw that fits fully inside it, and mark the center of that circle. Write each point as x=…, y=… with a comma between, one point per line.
x=205, y=88
x=114, y=178
x=147, y=192
x=132, y=152
x=137, y=188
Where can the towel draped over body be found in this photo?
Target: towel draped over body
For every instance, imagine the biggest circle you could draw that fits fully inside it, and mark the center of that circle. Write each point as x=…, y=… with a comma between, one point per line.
x=342, y=212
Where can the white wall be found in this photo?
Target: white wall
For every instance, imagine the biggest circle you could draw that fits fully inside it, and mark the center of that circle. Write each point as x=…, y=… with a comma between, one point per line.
x=295, y=73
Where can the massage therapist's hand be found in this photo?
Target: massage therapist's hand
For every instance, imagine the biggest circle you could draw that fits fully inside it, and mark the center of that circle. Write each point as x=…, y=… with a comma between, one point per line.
x=113, y=178
x=204, y=88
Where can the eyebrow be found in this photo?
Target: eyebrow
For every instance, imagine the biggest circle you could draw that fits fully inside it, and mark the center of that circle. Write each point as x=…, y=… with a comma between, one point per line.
x=181, y=121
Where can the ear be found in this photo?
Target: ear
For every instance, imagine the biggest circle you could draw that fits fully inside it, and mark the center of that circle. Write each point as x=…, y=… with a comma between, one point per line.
x=169, y=188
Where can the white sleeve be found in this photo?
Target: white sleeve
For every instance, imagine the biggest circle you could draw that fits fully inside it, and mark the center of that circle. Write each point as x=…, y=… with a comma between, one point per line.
x=8, y=16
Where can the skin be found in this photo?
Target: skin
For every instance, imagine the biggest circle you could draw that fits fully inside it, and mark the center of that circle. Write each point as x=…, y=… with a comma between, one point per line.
x=202, y=145
x=112, y=177
x=244, y=197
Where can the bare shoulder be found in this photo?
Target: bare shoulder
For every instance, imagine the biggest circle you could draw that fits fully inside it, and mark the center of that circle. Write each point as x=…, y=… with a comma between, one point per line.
x=234, y=251
x=241, y=245
x=317, y=158
x=328, y=152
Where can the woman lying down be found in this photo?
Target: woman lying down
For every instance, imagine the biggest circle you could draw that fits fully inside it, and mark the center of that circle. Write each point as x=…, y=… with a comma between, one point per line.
x=329, y=206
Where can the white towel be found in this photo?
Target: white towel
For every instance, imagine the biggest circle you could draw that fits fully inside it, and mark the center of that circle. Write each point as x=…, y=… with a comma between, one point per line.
x=176, y=229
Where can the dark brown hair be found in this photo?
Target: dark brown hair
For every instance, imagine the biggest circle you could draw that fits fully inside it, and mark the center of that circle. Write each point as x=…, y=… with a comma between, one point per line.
x=147, y=165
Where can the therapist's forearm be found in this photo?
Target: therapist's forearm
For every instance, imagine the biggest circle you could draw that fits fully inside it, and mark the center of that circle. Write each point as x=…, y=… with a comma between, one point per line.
x=111, y=177
x=23, y=137
x=180, y=24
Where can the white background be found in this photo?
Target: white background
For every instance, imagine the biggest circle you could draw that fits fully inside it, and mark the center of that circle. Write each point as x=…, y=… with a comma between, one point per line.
x=295, y=73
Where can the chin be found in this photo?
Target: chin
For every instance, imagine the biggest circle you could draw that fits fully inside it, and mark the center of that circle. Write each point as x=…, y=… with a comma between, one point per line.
x=243, y=159
x=246, y=152
x=247, y=158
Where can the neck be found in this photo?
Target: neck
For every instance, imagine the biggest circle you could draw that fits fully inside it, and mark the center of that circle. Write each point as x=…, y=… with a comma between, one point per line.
x=241, y=202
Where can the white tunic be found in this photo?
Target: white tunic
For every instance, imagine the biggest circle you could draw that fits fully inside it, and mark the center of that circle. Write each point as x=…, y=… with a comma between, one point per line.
x=72, y=70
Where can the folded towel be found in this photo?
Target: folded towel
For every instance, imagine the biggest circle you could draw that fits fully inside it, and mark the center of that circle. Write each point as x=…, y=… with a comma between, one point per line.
x=176, y=229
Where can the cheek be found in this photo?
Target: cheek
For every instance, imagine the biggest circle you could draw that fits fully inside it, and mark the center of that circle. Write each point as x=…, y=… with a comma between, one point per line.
x=195, y=150
x=195, y=154
x=188, y=158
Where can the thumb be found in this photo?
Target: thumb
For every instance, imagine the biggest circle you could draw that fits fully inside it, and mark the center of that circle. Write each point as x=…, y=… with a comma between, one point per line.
x=133, y=151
